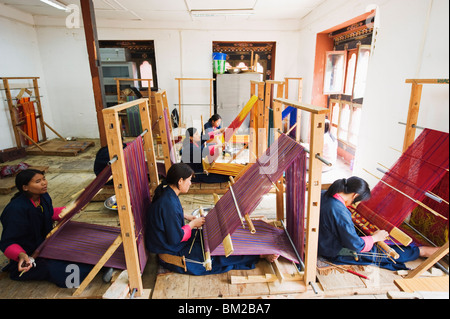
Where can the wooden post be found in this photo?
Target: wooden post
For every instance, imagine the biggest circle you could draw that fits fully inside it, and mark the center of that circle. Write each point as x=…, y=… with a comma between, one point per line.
x=11, y=112
x=314, y=193
x=90, y=31
x=429, y=262
x=39, y=109
x=162, y=128
x=299, y=98
x=314, y=184
x=277, y=124
x=149, y=146
x=413, y=115
x=121, y=188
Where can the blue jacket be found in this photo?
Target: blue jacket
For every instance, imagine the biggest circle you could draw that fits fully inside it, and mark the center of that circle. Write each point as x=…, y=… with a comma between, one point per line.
x=336, y=229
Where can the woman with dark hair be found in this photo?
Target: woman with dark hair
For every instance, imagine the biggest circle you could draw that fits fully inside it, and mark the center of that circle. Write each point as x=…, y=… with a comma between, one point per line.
x=26, y=221
x=192, y=152
x=338, y=239
x=213, y=124
x=167, y=235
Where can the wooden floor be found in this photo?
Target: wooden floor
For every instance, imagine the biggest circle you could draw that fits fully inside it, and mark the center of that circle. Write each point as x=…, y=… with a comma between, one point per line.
x=68, y=175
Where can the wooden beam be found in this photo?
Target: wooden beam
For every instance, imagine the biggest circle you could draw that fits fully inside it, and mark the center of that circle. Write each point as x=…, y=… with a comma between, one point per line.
x=113, y=130
x=429, y=262
x=90, y=31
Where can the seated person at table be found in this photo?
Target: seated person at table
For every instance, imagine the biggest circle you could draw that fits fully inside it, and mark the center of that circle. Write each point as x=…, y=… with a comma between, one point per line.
x=194, y=149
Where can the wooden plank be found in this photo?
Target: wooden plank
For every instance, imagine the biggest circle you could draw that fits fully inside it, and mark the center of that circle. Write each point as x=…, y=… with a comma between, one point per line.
x=427, y=81
x=149, y=145
x=429, y=262
x=413, y=115
x=303, y=106
x=440, y=284
x=109, y=252
x=113, y=133
x=313, y=196
x=171, y=286
x=210, y=286
x=90, y=32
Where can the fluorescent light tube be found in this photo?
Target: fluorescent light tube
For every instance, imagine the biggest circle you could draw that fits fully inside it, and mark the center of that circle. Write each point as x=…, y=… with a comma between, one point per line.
x=224, y=12
x=56, y=4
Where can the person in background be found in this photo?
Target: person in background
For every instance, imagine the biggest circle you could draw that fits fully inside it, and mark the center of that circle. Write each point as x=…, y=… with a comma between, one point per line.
x=214, y=125
x=194, y=149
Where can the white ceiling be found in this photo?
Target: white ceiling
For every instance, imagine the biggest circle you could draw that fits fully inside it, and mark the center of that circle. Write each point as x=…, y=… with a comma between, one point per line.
x=175, y=10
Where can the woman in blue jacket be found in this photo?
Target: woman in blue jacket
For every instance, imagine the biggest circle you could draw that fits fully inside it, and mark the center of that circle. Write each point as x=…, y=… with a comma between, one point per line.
x=338, y=240
x=26, y=221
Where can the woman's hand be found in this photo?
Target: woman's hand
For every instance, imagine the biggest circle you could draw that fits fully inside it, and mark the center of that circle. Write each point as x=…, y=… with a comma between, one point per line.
x=189, y=217
x=197, y=222
x=25, y=263
x=380, y=235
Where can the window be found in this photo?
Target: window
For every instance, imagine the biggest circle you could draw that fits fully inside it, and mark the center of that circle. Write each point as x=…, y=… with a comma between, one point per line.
x=346, y=100
x=334, y=72
x=146, y=73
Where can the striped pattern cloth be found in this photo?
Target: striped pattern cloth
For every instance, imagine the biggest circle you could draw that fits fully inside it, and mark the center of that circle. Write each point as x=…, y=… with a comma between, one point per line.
x=86, y=243
x=419, y=169
x=257, y=181
x=266, y=241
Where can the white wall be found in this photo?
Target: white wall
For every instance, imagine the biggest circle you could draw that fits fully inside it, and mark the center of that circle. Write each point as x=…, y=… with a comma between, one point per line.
x=19, y=57
x=412, y=42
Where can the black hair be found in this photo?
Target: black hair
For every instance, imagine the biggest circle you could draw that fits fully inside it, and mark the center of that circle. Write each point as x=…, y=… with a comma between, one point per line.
x=24, y=178
x=353, y=184
x=190, y=132
x=215, y=117
x=174, y=174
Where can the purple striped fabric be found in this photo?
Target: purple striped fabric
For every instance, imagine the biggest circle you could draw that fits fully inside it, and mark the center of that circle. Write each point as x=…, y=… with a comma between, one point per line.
x=257, y=181
x=267, y=240
x=137, y=176
x=86, y=243
x=295, y=201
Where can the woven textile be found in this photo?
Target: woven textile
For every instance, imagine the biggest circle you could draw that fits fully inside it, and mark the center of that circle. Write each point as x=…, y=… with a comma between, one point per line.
x=257, y=181
x=419, y=169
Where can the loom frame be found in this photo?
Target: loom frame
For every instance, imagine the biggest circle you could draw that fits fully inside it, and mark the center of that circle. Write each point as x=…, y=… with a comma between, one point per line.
x=114, y=139
x=162, y=107
x=410, y=133
x=210, y=80
x=317, y=123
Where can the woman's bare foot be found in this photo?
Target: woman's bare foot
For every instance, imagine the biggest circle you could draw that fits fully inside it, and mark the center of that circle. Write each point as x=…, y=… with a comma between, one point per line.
x=270, y=258
x=427, y=251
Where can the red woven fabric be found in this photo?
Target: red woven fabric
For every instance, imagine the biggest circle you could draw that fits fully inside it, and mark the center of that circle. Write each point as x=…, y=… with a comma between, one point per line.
x=420, y=168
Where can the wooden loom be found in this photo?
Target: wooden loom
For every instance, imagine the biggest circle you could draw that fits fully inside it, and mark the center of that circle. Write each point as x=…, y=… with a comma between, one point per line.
x=130, y=256
x=410, y=132
x=313, y=206
x=381, y=219
x=210, y=80
x=121, y=187
x=41, y=146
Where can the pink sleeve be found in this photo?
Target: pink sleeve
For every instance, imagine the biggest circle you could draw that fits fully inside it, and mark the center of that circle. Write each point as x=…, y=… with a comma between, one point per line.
x=187, y=232
x=368, y=240
x=56, y=212
x=13, y=251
